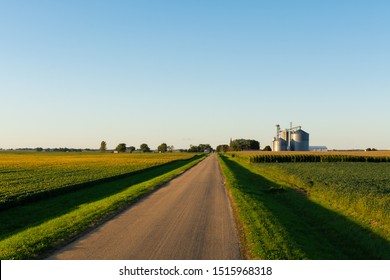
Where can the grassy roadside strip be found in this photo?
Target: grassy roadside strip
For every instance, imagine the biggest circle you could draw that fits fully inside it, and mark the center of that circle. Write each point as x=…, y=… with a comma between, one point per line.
x=277, y=222
x=37, y=241
x=261, y=236
x=230, y=183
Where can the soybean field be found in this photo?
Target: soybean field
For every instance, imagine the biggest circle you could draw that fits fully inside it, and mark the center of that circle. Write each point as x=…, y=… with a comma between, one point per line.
x=49, y=199
x=337, y=208
x=28, y=176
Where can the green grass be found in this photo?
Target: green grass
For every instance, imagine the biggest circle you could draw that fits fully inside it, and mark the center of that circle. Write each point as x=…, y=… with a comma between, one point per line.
x=279, y=222
x=34, y=230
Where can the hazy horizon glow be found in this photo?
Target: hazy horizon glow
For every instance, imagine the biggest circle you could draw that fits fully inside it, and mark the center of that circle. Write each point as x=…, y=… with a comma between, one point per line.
x=75, y=73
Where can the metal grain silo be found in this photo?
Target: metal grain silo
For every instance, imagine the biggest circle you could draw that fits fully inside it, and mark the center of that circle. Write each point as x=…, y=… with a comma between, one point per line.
x=300, y=140
x=279, y=144
x=285, y=134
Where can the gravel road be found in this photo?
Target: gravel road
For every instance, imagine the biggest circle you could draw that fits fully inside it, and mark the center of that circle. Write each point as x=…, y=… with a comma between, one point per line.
x=189, y=218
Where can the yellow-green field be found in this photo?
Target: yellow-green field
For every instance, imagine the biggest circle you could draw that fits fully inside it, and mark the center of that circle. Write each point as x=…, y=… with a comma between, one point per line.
x=42, y=208
x=27, y=175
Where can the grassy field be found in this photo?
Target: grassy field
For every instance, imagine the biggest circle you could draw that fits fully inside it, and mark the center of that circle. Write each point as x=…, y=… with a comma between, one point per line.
x=32, y=230
x=310, y=210
x=29, y=176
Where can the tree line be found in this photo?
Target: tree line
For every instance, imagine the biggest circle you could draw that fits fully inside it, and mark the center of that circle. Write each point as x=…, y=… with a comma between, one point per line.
x=240, y=145
x=162, y=148
x=122, y=147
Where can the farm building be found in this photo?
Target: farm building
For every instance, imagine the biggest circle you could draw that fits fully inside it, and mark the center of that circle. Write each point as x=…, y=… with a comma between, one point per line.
x=318, y=149
x=291, y=139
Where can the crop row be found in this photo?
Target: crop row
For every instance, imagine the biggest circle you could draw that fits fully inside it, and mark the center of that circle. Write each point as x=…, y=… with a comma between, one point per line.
x=27, y=176
x=315, y=158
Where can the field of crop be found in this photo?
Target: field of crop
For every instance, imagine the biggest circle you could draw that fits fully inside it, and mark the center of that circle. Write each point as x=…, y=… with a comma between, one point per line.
x=360, y=189
x=34, y=228
x=342, y=209
x=315, y=158
x=329, y=153
x=25, y=176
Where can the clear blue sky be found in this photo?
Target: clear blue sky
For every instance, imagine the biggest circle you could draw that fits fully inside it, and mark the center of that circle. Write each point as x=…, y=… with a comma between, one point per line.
x=74, y=73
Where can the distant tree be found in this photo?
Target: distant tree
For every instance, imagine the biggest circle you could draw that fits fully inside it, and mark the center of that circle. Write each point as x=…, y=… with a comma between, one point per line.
x=204, y=148
x=201, y=148
x=121, y=148
x=163, y=148
x=103, y=146
x=171, y=148
x=254, y=145
x=235, y=145
x=131, y=149
x=244, y=145
x=222, y=148
x=144, y=148
x=267, y=149
x=193, y=149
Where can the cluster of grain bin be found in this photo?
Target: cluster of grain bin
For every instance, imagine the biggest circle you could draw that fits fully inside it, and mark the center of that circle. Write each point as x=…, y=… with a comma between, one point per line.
x=290, y=139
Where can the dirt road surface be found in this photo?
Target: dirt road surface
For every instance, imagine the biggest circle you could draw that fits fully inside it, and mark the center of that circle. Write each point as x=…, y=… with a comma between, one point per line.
x=189, y=218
